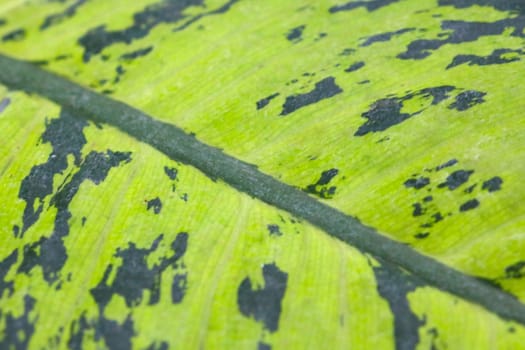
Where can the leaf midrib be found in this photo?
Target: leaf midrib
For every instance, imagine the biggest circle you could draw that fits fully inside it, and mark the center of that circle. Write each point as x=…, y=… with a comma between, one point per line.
x=182, y=147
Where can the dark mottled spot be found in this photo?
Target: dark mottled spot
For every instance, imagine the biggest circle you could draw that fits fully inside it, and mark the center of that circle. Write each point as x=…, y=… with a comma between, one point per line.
x=17, y=331
x=263, y=346
x=384, y=36
x=437, y=217
x=274, y=230
x=393, y=285
x=417, y=183
x=56, y=18
x=264, y=303
x=456, y=179
x=371, y=5
x=447, y=164
x=120, y=72
x=469, y=205
x=457, y=32
x=171, y=172
x=4, y=103
x=347, y=52
x=158, y=346
x=470, y=189
x=77, y=330
x=320, y=188
x=428, y=199
x=155, y=204
x=65, y=134
x=3, y=22
x=134, y=276
x=179, y=287
x=116, y=335
x=493, y=184
x=467, y=99
x=515, y=270
x=62, y=57
x=265, y=101
x=295, y=34
x=15, y=35
x=418, y=209
x=496, y=57
x=219, y=10
x=165, y=11
x=364, y=82
x=5, y=266
x=320, y=36
x=386, y=112
x=517, y=6
x=324, y=89
x=422, y=235
x=355, y=66
x=137, y=53
x=53, y=255
x=39, y=63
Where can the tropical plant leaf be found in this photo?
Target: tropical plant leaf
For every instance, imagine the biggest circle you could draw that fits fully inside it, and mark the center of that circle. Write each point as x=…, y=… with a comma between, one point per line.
x=404, y=114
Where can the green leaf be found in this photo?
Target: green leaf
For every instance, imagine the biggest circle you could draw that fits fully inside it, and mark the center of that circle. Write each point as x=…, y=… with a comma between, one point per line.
x=242, y=174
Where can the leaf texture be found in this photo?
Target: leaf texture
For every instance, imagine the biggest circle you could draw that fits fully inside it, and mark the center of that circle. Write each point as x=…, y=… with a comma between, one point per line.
x=404, y=114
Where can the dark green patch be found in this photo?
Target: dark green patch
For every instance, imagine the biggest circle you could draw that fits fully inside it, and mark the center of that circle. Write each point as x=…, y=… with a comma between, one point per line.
x=171, y=172
x=496, y=57
x=167, y=11
x=447, y=164
x=295, y=34
x=137, y=53
x=393, y=285
x=133, y=277
x=273, y=229
x=469, y=205
x=154, y=204
x=263, y=346
x=467, y=99
x=458, y=32
x=456, y=179
x=493, y=184
x=5, y=266
x=418, y=209
x=321, y=188
x=516, y=6
x=14, y=35
x=515, y=270
x=324, y=89
x=56, y=18
x=370, y=5
x=417, y=183
x=17, y=331
x=387, y=36
x=66, y=137
x=355, y=66
x=264, y=303
x=158, y=346
x=387, y=112
x=50, y=252
x=265, y=101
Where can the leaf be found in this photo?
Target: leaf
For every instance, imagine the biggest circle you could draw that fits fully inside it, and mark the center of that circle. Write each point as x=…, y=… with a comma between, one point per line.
x=124, y=231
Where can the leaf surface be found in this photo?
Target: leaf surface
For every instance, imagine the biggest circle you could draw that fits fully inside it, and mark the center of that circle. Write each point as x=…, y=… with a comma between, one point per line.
x=389, y=111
